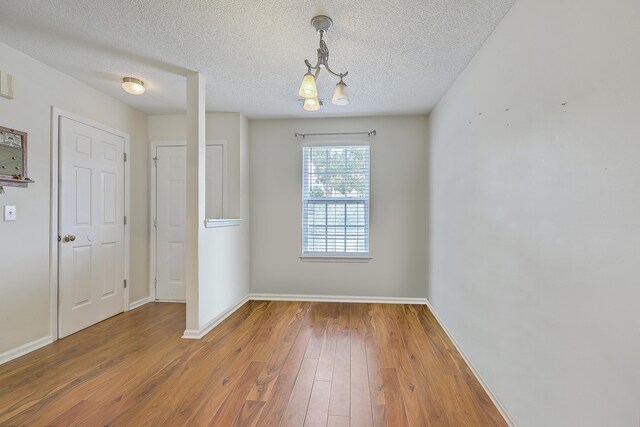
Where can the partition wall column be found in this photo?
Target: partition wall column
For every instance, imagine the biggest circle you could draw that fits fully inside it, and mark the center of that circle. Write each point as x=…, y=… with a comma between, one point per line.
x=196, y=156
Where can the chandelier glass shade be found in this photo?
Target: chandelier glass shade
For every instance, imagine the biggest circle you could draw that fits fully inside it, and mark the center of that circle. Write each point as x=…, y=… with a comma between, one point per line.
x=340, y=95
x=311, y=104
x=308, y=89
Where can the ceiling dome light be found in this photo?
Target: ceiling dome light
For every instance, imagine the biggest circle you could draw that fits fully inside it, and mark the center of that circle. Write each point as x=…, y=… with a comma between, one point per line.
x=133, y=86
x=340, y=95
x=308, y=87
x=311, y=104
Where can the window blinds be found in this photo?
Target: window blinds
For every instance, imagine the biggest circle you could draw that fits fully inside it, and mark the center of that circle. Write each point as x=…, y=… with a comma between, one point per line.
x=336, y=200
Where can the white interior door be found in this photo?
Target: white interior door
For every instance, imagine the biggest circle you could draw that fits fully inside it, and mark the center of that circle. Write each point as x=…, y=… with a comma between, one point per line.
x=91, y=226
x=170, y=213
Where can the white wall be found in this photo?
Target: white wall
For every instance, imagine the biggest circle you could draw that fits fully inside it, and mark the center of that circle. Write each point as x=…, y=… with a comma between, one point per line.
x=397, y=219
x=224, y=277
x=224, y=252
x=24, y=244
x=535, y=212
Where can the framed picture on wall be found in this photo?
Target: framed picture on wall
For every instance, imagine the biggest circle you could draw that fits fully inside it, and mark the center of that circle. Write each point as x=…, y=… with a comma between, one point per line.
x=13, y=158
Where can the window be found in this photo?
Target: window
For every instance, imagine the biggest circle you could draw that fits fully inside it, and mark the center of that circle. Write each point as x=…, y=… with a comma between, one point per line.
x=335, y=212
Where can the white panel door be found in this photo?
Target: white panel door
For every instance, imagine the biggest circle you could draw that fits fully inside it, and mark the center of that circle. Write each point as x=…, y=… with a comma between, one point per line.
x=171, y=205
x=91, y=225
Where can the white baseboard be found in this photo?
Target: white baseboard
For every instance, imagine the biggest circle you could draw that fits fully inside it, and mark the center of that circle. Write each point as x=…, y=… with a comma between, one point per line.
x=336, y=298
x=140, y=302
x=196, y=334
x=484, y=385
x=14, y=353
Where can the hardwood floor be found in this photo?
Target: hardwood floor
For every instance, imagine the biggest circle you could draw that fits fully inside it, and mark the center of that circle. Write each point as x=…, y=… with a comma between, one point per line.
x=269, y=364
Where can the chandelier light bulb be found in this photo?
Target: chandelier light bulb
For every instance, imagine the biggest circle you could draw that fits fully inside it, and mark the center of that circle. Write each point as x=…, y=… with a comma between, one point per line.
x=133, y=86
x=340, y=95
x=308, y=87
x=311, y=104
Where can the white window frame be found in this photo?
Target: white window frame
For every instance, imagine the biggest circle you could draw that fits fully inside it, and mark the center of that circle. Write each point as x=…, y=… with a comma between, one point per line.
x=333, y=256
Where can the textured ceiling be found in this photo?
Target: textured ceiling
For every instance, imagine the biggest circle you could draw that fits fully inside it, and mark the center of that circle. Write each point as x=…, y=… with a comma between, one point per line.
x=401, y=55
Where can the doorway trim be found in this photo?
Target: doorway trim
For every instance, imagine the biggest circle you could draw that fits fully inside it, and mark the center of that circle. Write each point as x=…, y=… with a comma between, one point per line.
x=56, y=114
x=153, y=146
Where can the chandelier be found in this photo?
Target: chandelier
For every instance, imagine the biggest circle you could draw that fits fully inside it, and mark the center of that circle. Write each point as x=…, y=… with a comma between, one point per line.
x=308, y=89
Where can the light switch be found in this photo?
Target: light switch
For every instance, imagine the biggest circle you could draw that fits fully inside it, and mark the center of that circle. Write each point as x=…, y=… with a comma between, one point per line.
x=9, y=213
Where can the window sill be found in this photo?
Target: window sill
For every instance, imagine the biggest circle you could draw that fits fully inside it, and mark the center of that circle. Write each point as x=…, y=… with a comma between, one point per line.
x=333, y=258
x=216, y=223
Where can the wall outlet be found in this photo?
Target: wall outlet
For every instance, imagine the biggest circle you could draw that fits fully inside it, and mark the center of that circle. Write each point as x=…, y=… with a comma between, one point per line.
x=10, y=213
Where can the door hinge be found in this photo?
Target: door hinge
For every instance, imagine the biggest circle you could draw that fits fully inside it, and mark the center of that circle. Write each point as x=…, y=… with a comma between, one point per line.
x=155, y=161
x=125, y=220
x=155, y=223
x=125, y=283
x=125, y=157
x=155, y=283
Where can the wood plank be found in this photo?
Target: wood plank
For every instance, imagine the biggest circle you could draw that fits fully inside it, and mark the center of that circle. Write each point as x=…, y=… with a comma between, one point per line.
x=368, y=363
x=65, y=371
x=411, y=389
x=376, y=387
x=299, y=402
x=249, y=414
x=279, y=350
x=103, y=376
x=361, y=415
x=381, y=338
x=463, y=398
x=396, y=415
x=206, y=396
x=429, y=376
x=318, y=318
x=337, y=421
x=339, y=402
x=318, y=410
x=275, y=407
x=379, y=415
x=373, y=361
x=150, y=396
x=327, y=353
x=42, y=363
x=230, y=409
x=70, y=416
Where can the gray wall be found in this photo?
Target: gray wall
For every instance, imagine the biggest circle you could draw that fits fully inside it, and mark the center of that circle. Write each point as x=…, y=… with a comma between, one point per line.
x=397, y=219
x=535, y=212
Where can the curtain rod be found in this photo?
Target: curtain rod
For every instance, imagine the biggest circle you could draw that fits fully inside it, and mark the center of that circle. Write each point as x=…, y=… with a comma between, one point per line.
x=304, y=135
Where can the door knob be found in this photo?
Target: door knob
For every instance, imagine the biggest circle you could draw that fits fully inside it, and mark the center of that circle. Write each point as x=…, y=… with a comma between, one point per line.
x=69, y=238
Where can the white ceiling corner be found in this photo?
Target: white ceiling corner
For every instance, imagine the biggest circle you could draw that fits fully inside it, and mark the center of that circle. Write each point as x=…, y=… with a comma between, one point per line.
x=401, y=55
